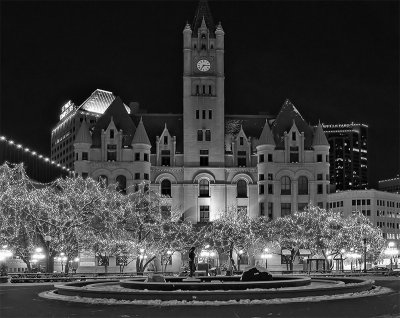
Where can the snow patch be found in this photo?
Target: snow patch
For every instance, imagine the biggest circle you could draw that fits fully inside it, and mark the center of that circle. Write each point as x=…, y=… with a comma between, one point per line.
x=156, y=302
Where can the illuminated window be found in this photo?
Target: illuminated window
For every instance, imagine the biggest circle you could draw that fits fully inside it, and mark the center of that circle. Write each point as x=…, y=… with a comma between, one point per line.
x=204, y=213
x=204, y=188
x=285, y=209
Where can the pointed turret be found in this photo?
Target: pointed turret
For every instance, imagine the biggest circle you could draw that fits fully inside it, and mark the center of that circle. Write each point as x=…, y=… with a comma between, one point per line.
x=320, y=137
x=266, y=137
x=140, y=136
x=284, y=122
x=203, y=15
x=83, y=136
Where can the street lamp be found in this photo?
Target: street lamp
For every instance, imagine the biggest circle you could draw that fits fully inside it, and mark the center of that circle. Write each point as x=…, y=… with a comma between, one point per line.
x=62, y=258
x=265, y=256
x=391, y=251
x=47, y=239
x=37, y=256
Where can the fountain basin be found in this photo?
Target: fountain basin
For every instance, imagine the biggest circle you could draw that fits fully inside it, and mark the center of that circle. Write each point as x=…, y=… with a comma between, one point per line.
x=112, y=289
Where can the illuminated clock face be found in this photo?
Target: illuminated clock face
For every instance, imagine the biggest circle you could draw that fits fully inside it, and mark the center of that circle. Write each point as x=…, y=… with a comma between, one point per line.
x=203, y=65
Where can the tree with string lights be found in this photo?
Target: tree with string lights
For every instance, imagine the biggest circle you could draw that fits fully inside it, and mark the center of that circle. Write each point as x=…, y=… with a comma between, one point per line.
x=15, y=227
x=234, y=231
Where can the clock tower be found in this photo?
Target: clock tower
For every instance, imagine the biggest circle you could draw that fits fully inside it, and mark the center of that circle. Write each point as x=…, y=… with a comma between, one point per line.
x=203, y=91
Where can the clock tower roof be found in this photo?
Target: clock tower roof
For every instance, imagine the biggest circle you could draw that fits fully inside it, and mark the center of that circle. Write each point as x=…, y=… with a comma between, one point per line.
x=203, y=13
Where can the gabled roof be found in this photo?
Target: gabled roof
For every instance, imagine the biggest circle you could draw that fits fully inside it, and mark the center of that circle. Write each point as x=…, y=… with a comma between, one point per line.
x=99, y=101
x=319, y=137
x=284, y=122
x=203, y=11
x=83, y=136
x=266, y=137
x=121, y=120
x=140, y=136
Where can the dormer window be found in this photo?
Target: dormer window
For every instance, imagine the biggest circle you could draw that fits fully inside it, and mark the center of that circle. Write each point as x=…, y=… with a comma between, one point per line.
x=111, y=152
x=111, y=133
x=165, y=140
x=294, y=136
x=241, y=141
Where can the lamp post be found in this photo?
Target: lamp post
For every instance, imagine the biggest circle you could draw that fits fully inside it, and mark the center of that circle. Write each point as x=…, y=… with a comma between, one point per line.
x=62, y=258
x=365, y=254
x=47, y=239
x=37, y=256
x=265, y=256
x=391, y=251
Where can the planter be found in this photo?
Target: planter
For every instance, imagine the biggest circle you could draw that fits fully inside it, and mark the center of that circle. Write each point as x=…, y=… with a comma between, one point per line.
x=3, y=279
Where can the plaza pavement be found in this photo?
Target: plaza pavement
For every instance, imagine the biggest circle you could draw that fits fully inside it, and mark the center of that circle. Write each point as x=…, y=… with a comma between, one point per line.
x=22, y=300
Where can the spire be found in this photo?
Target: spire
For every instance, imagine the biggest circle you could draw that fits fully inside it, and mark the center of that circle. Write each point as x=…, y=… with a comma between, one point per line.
x=319, y=137
x=140, y=136
x=266, y=137
x=203, y=13
x=83, y=136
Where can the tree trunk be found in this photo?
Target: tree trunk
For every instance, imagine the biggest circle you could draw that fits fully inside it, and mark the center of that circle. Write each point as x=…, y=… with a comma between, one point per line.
x=28, y=264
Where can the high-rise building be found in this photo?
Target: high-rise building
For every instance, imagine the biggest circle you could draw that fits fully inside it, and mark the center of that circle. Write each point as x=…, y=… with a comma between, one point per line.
x=348, y=155
x=71, y=117
x=390, y=185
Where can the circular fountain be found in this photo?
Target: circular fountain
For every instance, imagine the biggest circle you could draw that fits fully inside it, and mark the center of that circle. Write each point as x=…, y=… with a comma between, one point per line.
x=215, y=288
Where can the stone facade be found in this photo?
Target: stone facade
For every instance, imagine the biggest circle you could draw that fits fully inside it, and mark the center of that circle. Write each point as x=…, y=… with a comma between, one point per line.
x=205, y=160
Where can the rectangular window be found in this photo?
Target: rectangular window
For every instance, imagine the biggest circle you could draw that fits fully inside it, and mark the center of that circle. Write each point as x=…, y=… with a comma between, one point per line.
x=241, y=141
x=209, y=114
x=111, y=133
x=209, y=90
x=270, y=157
x=204, y=213
x=262, y=212
x=208, y=135
x=242, y=161
x=204, y=114
x=165, y=140
x=320, y=189
x=293, y=135
x=165, y=161
x=84, y=175
x=327, y=177
x=146, y=157
x=319, y=158
x=270, y=177
x=294, y=157
x=302, y=206
x=137, y=176
x=358, y=202
x=261, y=189
x=270, y=189
x=146, y=176
x=84, y=156
x=76, y=157
x=353, y=202
x=137, y=156
x=261, y=158
x=270, y=210
x=320, y=205
x=199, y=135
x=203, y=158
x=363, y=202
x=368, y=212
x=197, y=114
x=285, y=209
x=260, y=177
x=319, y=176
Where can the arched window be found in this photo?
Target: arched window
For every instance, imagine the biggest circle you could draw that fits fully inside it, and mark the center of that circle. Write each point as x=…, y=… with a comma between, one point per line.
x=103, y=180
x=204, y=188
x=285, y=185
x=303, y=185
x=121, y=184
x=242, y=189
x=166, y=187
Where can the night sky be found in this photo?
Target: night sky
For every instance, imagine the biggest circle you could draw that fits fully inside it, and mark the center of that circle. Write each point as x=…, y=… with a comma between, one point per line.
x=337, y=62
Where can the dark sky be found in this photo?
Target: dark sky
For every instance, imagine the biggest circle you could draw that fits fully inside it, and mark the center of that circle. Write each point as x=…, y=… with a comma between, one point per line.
x=336, y=61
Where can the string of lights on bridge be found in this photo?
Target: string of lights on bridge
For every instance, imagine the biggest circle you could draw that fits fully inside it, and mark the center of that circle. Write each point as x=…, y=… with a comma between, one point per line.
x=34, y=153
